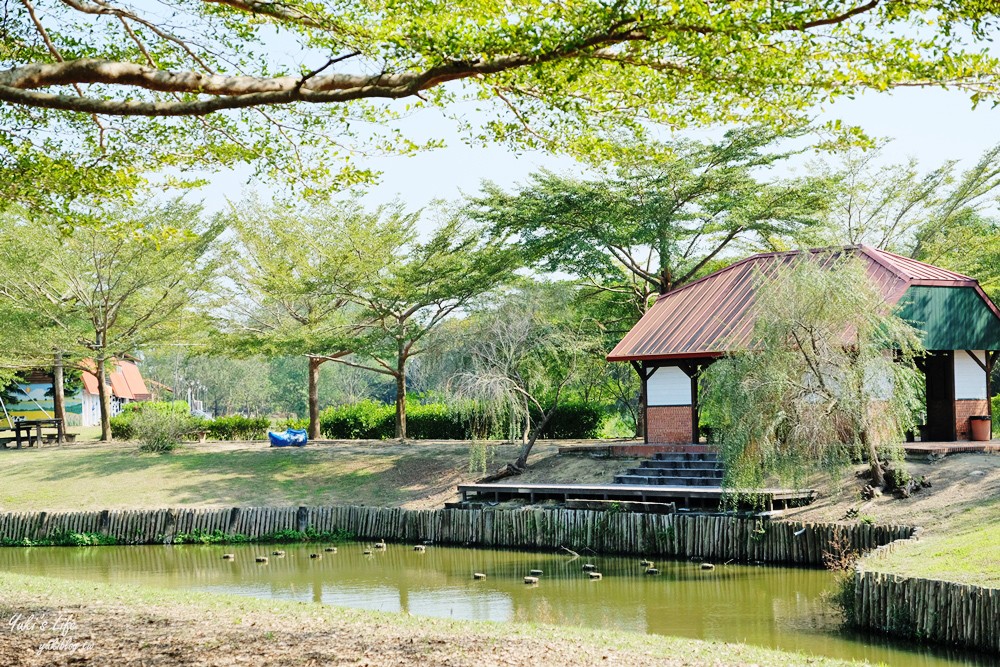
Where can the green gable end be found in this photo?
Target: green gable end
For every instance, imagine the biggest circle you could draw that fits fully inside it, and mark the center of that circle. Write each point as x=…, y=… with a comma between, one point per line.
x=951, y=318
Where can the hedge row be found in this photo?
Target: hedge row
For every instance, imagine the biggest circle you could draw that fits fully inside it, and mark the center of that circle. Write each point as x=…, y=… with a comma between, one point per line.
x=371, y=420
x=367, y=420
x=233, y=427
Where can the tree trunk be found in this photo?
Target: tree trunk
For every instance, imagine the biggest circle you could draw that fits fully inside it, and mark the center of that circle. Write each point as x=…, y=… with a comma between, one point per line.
x=878, y=474
x=401, y=396
x=522, y=460
x=58, y=395
x=314, y=364
x=102, y=393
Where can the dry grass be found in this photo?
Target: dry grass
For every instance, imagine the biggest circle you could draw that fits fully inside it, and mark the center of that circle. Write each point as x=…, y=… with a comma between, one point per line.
x=116, y=475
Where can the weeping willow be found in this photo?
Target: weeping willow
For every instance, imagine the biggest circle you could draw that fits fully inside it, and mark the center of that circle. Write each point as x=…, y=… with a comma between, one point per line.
x=829, y=378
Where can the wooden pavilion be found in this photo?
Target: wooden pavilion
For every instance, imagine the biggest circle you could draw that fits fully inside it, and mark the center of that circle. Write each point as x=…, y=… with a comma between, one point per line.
x=688, y=328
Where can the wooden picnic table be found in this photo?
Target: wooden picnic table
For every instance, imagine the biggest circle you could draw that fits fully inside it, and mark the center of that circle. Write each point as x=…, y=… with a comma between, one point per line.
x=22, y=429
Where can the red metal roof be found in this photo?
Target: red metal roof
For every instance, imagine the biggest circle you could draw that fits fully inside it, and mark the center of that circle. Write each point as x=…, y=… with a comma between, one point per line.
x=126, y=380
x=133, y=378
x=119, y=386
x=89, y=382
x=714, y=314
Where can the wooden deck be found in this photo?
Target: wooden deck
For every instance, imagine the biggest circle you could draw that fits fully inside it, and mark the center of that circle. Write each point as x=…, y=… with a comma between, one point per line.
x=685, y=496
x=956, y=447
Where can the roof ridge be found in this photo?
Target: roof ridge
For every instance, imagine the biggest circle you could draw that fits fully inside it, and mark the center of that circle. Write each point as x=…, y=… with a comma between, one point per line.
x=896, y=256
x=755, y=257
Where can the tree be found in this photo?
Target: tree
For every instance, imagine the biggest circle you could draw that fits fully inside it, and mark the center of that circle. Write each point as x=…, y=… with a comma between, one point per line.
x=524, y=356
x=112, y=289
x=261, y=81
x=409, y=290
x=296, y=269
x=660, y=217
x=664, y=215
x=223, y=385
x=829, y=377
x=900, y=208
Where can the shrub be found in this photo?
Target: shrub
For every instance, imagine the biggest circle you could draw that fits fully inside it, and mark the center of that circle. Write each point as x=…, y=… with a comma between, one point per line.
x=237, y=427
x=575, y=419
x=122, y=424
x=371, y=420
x=367, y=420
x=160, y=431
x=434, y=421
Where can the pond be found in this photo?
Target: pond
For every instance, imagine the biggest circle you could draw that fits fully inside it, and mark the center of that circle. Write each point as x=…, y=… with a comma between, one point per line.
x=774, y=607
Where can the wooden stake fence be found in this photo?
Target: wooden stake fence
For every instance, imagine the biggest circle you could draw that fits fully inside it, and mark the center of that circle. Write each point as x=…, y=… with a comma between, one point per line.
x=667, y=535
x=943, y=612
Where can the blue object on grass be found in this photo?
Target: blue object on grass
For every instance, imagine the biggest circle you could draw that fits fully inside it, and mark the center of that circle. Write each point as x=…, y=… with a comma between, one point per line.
x=292, y=437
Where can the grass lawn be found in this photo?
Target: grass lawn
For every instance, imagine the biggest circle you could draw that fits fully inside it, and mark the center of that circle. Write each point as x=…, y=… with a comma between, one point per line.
x=115, y=475
x=160, y=627
x=966, y=551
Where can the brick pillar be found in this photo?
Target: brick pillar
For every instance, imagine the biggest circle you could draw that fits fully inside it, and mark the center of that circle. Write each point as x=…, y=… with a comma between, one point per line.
x=965, y=408
x=669, y=424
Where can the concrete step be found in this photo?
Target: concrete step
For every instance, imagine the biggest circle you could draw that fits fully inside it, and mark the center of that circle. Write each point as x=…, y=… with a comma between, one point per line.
x=667, y=481
x=675, y=472
x=681, y=465
x=686, y=456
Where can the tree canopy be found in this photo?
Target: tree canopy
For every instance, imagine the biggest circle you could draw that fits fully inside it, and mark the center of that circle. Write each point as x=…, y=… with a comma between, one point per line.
x=662, y=216
x=295, y=270
x=267, y=82
x=106, y=291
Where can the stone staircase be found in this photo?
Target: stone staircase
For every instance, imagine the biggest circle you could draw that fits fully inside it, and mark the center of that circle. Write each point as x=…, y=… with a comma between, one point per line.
x=676, y=469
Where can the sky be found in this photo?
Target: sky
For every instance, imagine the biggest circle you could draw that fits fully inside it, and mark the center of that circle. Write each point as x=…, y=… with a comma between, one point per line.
x=931, y=125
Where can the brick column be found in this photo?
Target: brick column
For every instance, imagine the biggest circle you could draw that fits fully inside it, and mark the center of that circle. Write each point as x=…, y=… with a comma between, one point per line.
x=965, y=408
x=669, y=424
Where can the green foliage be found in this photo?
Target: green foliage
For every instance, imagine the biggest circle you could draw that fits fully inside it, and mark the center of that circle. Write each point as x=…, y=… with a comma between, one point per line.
x=829, y=377
x=367, y=420
x=574, y=419
x=160, y=431
x=660, y=215
x=550, y=75
x=371, y=420
x=172, y=413
x=277, y=537
x=995, y=410
x=237, y=427
x=65, y=539
x=126, y=280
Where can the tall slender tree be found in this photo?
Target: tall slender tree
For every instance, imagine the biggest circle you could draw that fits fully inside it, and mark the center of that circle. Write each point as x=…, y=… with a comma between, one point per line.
x=111, y=289
x=407, y=292
x=296, y=272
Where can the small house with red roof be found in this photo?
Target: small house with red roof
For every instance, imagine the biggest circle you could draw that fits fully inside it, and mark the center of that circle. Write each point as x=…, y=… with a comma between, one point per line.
x=688, y=328
x=33, y=395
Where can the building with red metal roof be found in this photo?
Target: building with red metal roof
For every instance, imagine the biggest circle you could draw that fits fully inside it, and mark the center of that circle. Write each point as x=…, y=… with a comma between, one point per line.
x=687, y=328
x=123, y=380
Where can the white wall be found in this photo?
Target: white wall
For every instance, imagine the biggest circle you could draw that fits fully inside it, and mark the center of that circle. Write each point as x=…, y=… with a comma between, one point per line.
x=668, y=386
x=970, y=378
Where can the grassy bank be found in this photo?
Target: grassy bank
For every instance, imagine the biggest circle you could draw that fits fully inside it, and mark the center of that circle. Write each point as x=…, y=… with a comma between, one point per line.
x=960, y=514
x=116, y=476
x=966, y=550
x=134, y=625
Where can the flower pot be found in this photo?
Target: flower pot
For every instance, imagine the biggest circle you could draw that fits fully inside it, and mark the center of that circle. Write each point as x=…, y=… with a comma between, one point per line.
x=979, y=427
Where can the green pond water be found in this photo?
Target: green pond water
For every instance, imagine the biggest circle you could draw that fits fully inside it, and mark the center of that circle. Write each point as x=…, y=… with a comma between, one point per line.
x=768, y=606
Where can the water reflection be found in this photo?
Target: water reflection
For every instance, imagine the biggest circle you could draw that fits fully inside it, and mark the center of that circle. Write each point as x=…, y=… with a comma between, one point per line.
x=768, y=606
